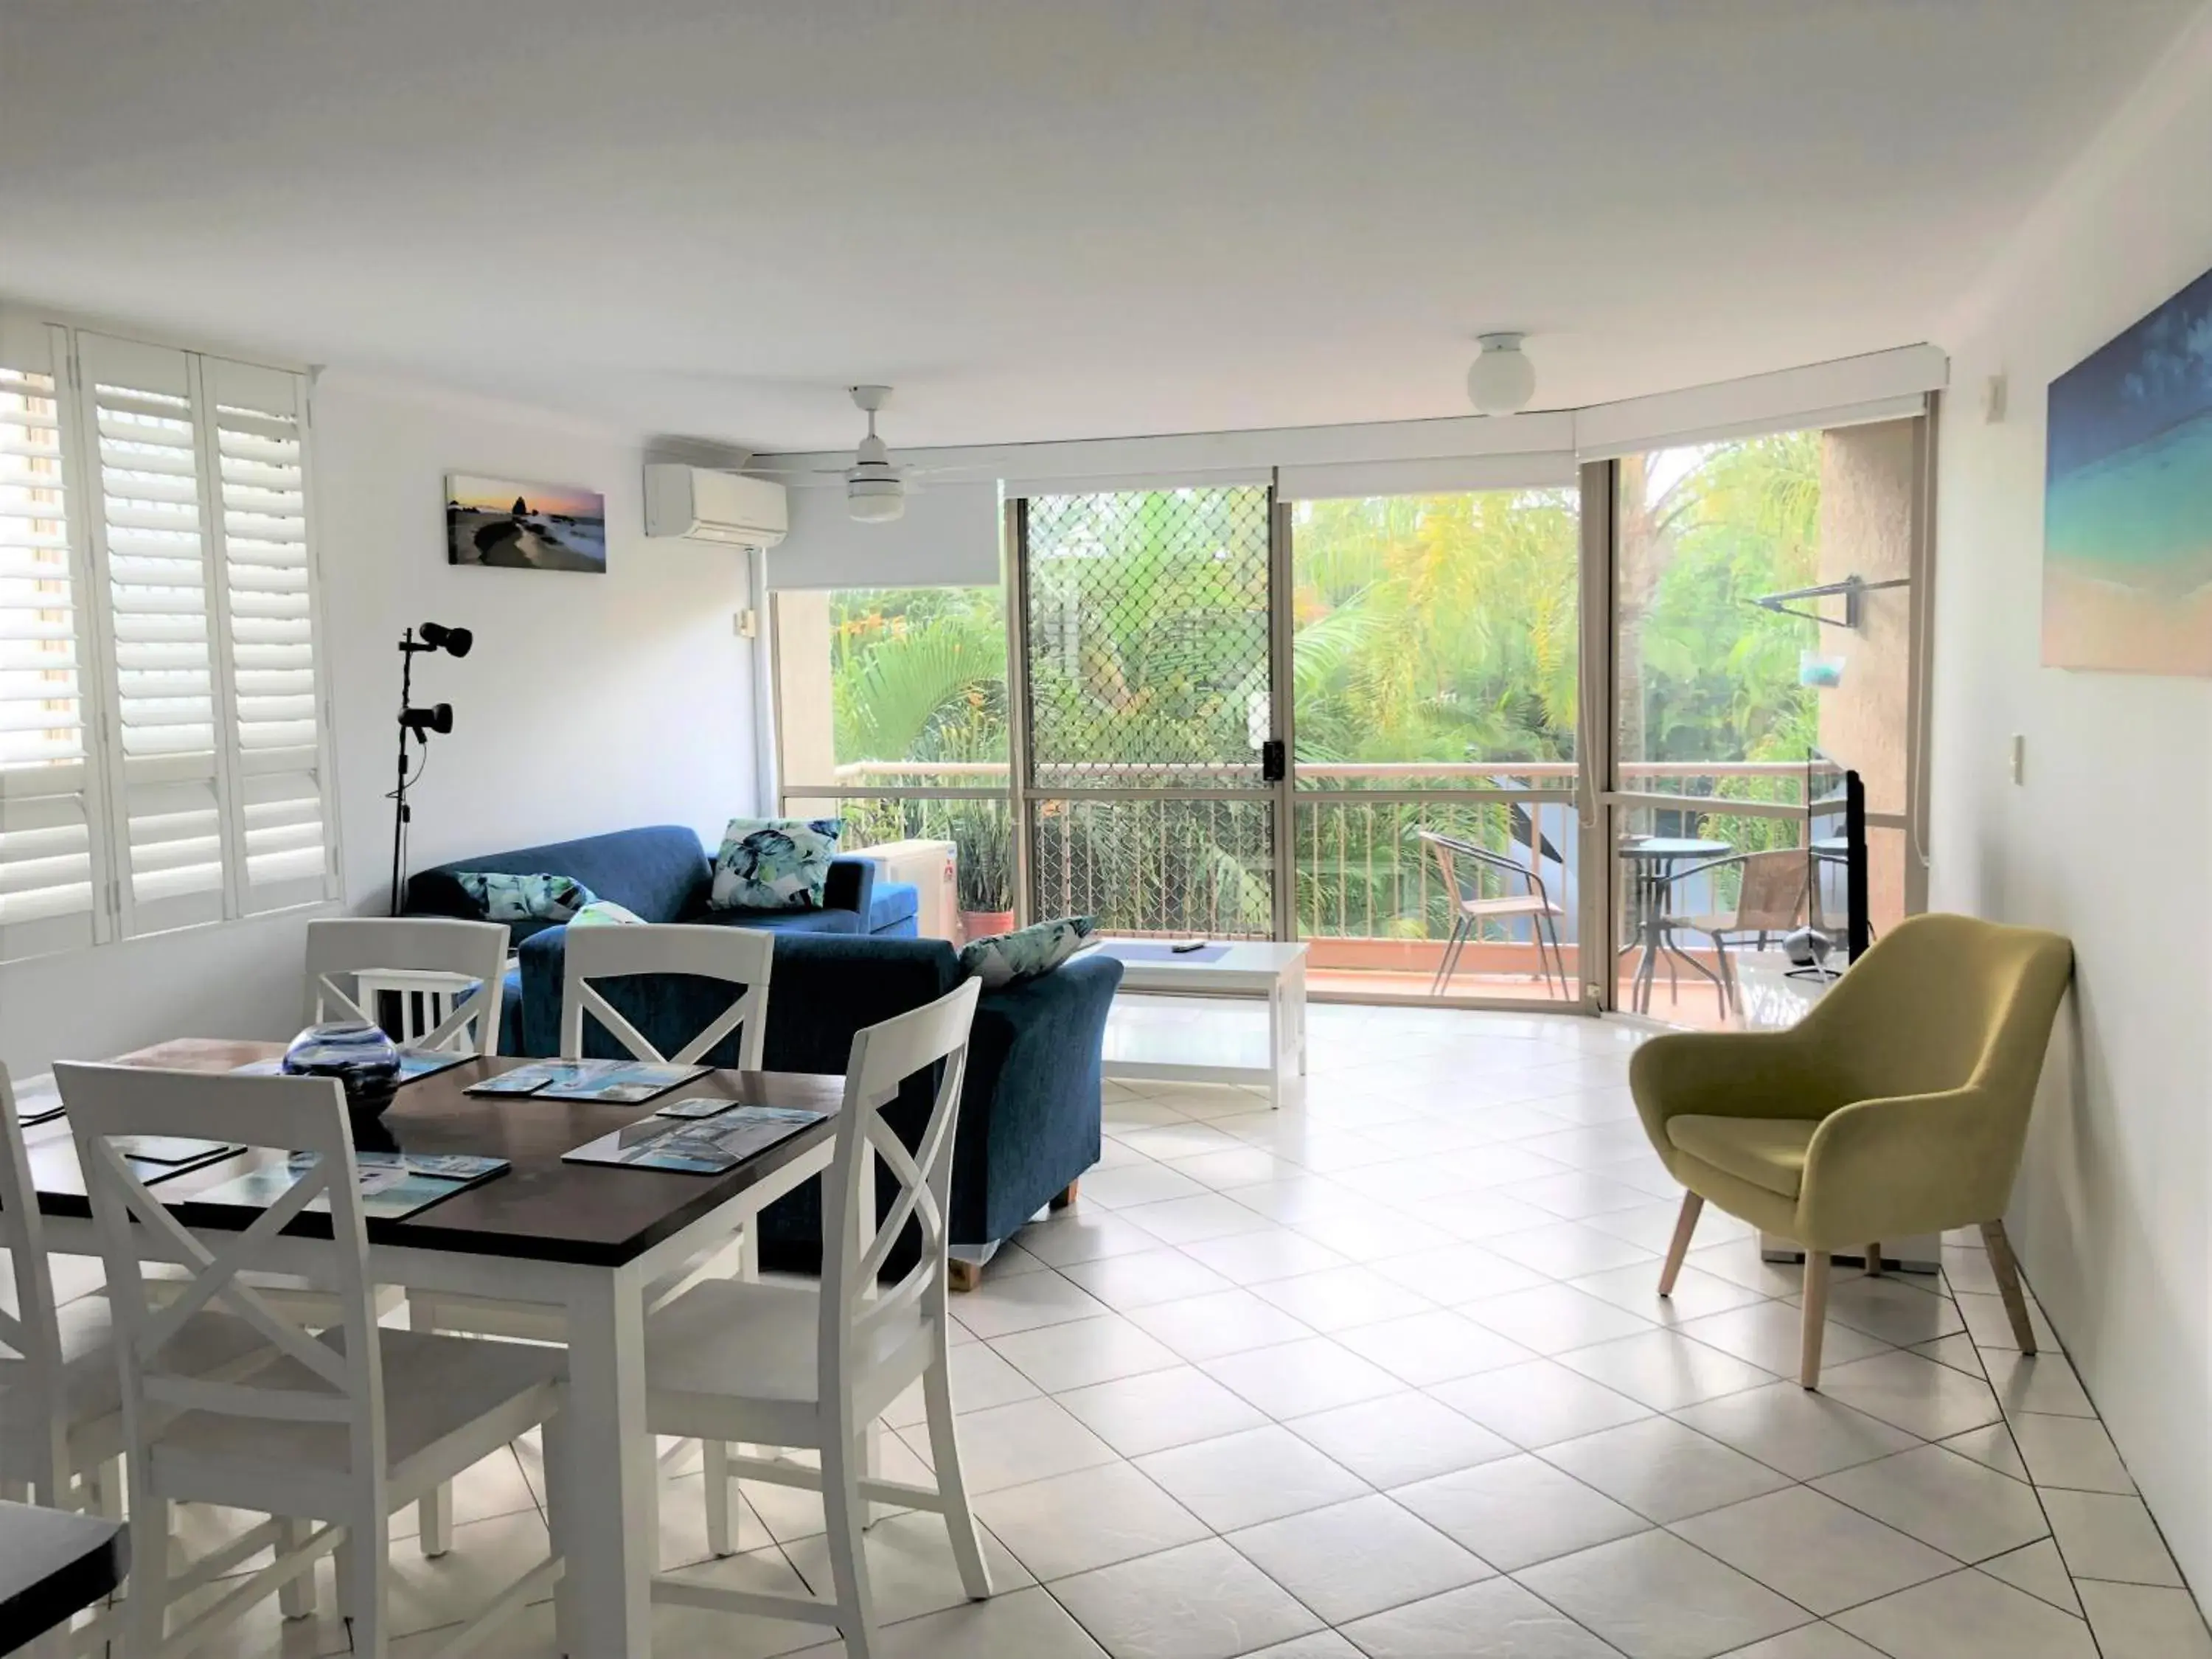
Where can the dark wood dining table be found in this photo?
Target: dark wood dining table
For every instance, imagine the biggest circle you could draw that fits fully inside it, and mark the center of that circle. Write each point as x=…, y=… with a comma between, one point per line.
x=53, y=1565
x=590, y=1238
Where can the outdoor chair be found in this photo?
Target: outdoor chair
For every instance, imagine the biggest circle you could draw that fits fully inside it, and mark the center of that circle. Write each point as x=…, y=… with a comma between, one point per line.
x=1776, y=896
x=1479, y=882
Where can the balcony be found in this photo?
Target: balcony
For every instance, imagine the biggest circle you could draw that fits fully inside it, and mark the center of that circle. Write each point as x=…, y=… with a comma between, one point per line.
x=1369, y=895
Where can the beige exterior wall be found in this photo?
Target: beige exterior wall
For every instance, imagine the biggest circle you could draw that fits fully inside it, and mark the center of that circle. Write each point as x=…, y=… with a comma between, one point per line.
x=1866, y=531
x=806, y=746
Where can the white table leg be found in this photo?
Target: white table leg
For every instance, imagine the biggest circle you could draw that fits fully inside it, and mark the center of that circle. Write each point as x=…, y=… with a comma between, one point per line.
x=1278, y=1041
x=611, y=1536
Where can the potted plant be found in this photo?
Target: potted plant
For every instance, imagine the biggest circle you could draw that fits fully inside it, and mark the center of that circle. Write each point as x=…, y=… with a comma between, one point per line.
x=985, y=841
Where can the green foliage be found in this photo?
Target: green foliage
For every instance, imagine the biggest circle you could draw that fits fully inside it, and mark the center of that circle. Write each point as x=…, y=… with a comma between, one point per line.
x=919, y=673
x=983, y=832
x=1437, y=627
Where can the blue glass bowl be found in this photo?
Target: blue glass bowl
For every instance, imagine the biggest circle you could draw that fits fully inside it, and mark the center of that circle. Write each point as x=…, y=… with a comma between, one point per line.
x=358, y=1055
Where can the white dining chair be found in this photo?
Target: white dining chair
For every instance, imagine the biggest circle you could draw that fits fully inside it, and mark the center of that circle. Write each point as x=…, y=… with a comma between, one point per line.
x=447, y=978
x=61, y=1398
x=737, y=956
x=335, y=1431
x=808, y=1367
x=740, y=956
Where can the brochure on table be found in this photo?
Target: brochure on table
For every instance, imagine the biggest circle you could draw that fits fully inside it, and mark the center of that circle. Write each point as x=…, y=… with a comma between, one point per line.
x=393, y=1185
x=675, y=1140
x=603, y=1082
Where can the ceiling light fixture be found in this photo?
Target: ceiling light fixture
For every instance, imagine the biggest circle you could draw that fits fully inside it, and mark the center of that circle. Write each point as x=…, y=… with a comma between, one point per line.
x=1502, y=380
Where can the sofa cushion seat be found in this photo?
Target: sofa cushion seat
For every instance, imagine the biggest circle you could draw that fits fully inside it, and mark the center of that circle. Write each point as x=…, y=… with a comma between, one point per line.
x=1768, y=1152
x=893, y=902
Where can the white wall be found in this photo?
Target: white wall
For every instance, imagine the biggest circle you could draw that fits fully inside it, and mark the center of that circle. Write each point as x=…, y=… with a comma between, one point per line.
x=2105, y=840
x=949, y=537
x=589, y=703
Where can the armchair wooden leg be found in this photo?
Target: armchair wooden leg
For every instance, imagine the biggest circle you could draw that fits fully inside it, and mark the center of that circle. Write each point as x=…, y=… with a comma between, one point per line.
x=1874, y=1260
x=1060, y=1200
x=1816, y=1318
x=2007, y=1275
x=1685, y=1225
x=961, y=1275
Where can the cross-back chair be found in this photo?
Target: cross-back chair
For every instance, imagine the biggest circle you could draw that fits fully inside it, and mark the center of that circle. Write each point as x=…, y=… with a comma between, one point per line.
x=813, y=1366
x=737, y=956
x=332, y=1431
x=61, y=1405
x=742, y=956
x=444, y=979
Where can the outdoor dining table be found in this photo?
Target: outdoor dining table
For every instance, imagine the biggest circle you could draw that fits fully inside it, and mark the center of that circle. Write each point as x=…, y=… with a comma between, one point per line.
x=590, y=1238
x=1651, y=860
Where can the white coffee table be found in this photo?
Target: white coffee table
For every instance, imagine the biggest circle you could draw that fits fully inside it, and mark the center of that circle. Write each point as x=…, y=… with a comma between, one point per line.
x=1275, y=974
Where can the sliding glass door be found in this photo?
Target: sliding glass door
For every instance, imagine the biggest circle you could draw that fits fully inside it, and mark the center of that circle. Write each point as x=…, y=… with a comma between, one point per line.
x=1573, y=744
x=1434, y=648
x=1767, y=633
x=1147, y=690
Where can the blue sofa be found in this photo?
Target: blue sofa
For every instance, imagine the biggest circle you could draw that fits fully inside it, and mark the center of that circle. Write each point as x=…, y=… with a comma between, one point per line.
x=1030, y=1110
x=664, y=874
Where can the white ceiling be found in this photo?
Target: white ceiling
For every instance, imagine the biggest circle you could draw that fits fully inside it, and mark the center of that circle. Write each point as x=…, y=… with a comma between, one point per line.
x=1038, y=218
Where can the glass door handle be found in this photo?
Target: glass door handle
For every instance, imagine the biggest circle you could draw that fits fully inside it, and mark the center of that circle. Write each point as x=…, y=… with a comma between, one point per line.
x=1273, y=767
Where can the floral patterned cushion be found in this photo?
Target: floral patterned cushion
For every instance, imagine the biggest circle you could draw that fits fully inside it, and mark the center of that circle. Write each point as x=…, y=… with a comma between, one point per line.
x=1026, y=952
x=774, y=864
x=605, y=913
x=503, y=897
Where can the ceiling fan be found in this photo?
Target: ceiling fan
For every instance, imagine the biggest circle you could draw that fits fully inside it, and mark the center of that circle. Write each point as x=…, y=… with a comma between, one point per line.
x=875, y=489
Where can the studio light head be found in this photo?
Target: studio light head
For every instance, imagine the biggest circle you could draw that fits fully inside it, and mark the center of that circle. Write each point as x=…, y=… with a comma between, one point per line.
x=454, y=641
x=422, y=722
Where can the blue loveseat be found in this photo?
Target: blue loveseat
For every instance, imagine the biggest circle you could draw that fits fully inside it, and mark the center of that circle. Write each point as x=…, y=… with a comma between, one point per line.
x=663, y=874
x=1030, y=1113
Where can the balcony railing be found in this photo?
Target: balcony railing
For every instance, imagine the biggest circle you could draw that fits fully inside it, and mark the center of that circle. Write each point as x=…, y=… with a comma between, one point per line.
x=1364, y=881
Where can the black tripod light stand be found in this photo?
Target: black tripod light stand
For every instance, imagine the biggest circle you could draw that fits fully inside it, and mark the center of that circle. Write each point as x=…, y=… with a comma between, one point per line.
x=418, y=723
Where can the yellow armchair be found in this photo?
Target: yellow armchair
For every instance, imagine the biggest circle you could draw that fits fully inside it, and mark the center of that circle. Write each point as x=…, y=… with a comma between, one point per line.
x=1899, y=1105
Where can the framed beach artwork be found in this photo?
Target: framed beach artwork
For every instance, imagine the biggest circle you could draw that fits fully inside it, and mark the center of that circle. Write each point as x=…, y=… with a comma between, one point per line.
x=2127, y=513
x=524, y=526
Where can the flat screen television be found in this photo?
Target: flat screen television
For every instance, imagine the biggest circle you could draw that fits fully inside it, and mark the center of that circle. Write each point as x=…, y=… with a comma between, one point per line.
x=1837, y=862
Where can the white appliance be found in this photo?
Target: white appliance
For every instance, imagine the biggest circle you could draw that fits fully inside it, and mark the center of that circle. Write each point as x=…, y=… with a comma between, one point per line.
x=933, y=867
x=700, y=504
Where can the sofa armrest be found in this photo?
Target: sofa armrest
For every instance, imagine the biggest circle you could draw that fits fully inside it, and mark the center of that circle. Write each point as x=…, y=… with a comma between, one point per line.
x=851, y=886
x=1908, y=1164
x=1031, y=1110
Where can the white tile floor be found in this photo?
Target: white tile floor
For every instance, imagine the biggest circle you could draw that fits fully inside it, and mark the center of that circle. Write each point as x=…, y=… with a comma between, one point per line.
x=1384, y=1374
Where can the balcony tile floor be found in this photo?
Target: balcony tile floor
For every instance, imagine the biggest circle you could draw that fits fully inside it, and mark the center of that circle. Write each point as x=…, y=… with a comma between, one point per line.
x=1233, y=1407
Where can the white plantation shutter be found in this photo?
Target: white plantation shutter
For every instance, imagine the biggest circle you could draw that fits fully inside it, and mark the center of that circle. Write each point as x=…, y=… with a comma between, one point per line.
x=50, y=889
x=149, y=540
x=278, y=762
x=164, y=754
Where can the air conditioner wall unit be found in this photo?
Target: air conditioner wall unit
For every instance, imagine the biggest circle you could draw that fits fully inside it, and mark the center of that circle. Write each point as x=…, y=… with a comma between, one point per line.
x=695, y=504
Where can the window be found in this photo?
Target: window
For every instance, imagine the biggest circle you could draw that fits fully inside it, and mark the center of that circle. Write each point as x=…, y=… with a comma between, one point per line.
x=891, y=714
x=163, y=755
